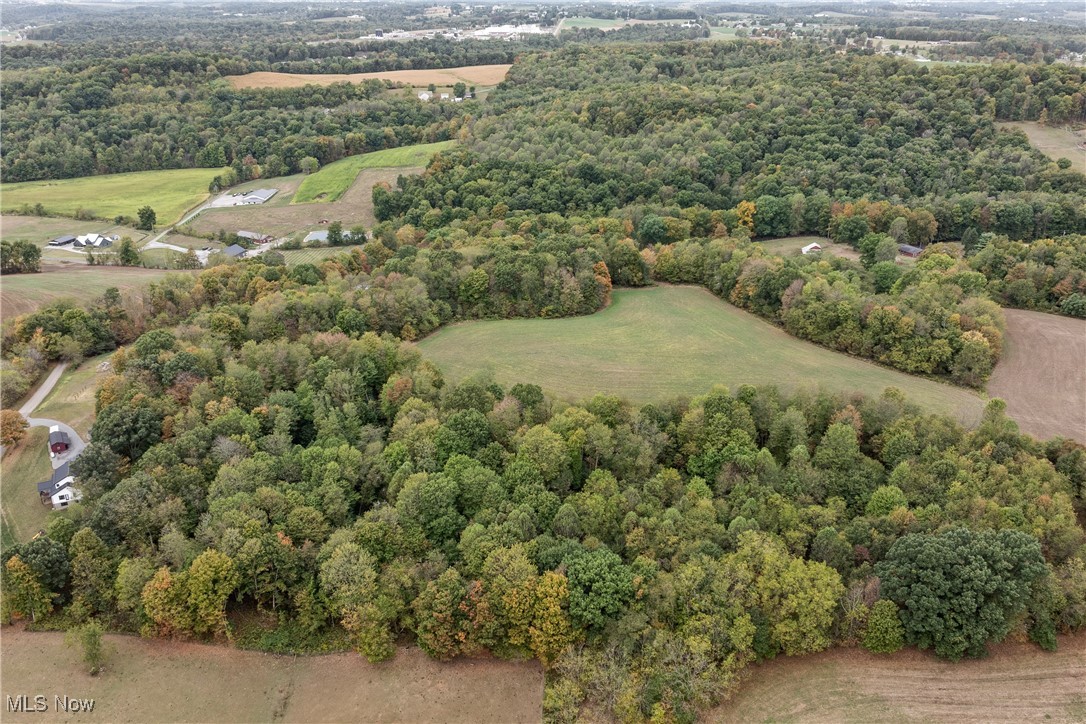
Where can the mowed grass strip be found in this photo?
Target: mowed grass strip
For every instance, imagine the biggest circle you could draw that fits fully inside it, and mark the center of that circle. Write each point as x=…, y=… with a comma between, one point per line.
x=655, y=344
x=23, y=467
x=330, y=182
x=23, y=293
x=170, y=193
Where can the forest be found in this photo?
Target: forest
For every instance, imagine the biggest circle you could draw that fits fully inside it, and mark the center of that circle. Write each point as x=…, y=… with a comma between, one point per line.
x=266, y=445
x=270, y=445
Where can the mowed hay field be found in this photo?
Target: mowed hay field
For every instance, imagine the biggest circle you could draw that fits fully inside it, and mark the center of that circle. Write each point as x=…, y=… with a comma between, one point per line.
x=154, y=680
x=355, y=206
x=1042, y=374
x=22, y=293
x=1054, y=142
x=1018, y=682
x=654, y=344
x=169, y=193
x=329, y=183
x=471, y=74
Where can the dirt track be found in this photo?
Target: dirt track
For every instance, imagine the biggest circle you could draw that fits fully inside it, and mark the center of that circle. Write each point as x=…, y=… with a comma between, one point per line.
x=1042, y=374
x=480, y=75
x=1018, y=682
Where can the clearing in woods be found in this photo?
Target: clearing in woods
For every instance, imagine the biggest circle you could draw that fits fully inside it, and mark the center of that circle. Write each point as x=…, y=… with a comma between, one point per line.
x=1055, y=142
x=23, y=293
x=1042, y=374
x=169, y=193
x=477, y=75
x=354, y=207
x=1018, y=682
x=151, y=680
x=329, y=183
x=655, y=344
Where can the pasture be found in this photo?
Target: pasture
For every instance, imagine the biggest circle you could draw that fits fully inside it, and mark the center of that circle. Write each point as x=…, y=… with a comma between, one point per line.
x=355, y=206
x=477, y=75
x=1054, y=142
x=169, y=193
x=154, y=680
x=654, y=344
x=1042, y=374
x=23, y=293
x=792, y=246
x=330, y=182
x=1018, y=682
x=23, y=467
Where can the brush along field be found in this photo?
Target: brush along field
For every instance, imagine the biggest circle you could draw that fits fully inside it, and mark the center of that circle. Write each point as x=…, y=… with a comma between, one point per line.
x=155, y=680
x=478, y=75
x=1042, y=374
x=169, y=193
x=654, y=344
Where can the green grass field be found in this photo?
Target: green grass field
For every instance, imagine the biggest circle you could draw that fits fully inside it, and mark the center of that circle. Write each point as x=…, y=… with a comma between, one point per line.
x=1054, y=142
x=600, y=23
x=329, y=183
x=72, y=400
x=169, y=193
x=23, y=293
x=315, y=255
x=655, y=344
x=23, y=467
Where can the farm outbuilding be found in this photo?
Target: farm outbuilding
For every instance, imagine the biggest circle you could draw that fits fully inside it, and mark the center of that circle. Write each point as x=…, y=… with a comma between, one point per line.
x=59, y=441
x=254, y=236
x=234, y=251
x=62, y=240
x=96, y=241
x=811, y=247
x=316, y=236
x=909, y=250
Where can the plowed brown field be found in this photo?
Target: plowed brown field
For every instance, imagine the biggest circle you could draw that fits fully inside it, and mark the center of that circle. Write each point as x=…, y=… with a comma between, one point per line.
x=480, y=75
x=1042, y=374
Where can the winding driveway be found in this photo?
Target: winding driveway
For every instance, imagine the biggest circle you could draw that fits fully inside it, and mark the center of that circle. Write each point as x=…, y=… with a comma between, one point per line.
x=32, y=404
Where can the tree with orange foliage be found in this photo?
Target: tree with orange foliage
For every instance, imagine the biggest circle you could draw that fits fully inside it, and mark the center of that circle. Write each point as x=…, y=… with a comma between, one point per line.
x=12, y=427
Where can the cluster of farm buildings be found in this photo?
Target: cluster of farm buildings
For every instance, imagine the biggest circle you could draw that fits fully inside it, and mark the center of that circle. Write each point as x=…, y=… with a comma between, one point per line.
x=85, y=241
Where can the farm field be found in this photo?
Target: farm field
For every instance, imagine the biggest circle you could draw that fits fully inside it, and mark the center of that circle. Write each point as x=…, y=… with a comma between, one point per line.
x=330, y=182
x=315, y=255
x=22, y=293
x=1042, y=374
x=151, y=680
x=654, y=344
x=72, y=400
x=1018, y=682
x=354, y=207
x=792, y=245
x=41, y=229
x=23, y=467
x=169, y=193
x=470, y=74
x=1054, y=142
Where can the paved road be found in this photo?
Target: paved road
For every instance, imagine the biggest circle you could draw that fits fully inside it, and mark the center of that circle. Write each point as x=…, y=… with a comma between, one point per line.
x=35, y=401
x=43, y=389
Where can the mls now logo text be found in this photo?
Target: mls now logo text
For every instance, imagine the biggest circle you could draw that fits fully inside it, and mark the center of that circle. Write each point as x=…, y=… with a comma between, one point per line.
x=33, y=705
